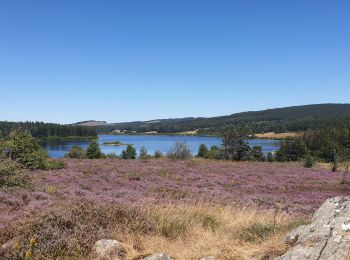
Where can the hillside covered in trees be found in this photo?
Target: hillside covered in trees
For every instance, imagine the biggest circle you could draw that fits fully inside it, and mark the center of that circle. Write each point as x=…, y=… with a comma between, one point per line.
x=46, y=131
x=296, y=118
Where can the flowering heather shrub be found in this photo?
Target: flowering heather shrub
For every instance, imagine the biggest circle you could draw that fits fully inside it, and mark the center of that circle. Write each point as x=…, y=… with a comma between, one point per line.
x=173, y=199
x=70, y=230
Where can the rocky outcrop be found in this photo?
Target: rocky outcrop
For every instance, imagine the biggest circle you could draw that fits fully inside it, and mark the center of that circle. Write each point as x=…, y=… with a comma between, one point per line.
x=107, y=249
x=327, y=237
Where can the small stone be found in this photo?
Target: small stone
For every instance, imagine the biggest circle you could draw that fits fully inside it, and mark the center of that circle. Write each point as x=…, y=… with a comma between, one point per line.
x=107, y=249
x=158, y=256
x=8, y=245
x=207, y=258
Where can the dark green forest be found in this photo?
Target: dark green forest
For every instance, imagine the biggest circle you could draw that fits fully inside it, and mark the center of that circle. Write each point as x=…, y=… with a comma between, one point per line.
x=46, y=131
x=297, y=118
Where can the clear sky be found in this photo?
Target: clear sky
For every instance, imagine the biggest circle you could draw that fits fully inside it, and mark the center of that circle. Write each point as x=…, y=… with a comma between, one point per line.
x=69, y=60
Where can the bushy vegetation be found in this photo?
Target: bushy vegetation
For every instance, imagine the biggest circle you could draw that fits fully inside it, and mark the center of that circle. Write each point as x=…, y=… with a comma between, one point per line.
x=12, y=174
x=158, y=154
x=129, y=152
x=179, y=151
x=93, y=151
x=270, y=157
x=203, y=151
x=212, y=153
x=235, y=146
x=330, y=145
x=76, y=152
x=24, y=149
x=291, y=150
x=309, y=161
x=143, y=153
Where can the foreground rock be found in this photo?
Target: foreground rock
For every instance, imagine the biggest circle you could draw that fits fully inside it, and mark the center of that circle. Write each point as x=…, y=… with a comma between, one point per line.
x=159, y=256
x=107, y=249
x=327, y=237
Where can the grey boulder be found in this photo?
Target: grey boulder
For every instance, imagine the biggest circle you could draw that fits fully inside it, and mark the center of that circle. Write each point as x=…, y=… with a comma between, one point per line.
x=327, y=237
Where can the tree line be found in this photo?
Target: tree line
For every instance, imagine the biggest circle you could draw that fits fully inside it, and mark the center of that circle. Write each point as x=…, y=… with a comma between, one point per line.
x=45, y=130
x=299, y=118
x=329, y=144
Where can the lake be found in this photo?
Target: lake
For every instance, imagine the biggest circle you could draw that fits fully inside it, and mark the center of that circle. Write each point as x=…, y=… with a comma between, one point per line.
x=152, y=143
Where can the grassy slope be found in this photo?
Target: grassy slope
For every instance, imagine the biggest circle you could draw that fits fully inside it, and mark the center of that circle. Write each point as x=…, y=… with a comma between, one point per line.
x=188, y=209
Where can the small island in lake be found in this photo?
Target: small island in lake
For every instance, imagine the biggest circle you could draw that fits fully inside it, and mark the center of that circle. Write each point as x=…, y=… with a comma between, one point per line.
x=115, y=143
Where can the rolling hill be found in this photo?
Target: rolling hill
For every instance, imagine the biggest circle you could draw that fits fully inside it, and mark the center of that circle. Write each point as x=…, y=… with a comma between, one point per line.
x=295, y=118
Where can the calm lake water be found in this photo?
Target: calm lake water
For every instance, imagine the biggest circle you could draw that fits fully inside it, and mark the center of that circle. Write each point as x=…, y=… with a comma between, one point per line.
x=152, y=143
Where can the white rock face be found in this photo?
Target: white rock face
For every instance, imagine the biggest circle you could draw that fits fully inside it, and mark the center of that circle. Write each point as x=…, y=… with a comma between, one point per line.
x=107, y=249
x=159, y=256
x=326, y=238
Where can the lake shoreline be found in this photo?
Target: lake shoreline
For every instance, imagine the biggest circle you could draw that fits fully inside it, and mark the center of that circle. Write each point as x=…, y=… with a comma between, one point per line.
x=153, y=143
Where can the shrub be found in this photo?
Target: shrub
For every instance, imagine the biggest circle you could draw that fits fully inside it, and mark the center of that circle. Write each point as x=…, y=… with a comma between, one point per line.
x=309, y=161
x=24, y=149
x=270, y=157
x=179, y=151
x=143, y=153
x=112, y=155
x=256, y=154
x=12, y=174
x=235, y=145
x=129, y=152
x=291, y=150
x=36, y=160
x=214, y=153
x=76, y=152
x=203, y=151
x=158, y=154
x=52, y=164
x=71, y=229
x=93, y=151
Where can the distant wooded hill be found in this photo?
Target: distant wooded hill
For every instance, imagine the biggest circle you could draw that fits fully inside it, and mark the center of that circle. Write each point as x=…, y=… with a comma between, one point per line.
x=296, y=118
x=45, y=130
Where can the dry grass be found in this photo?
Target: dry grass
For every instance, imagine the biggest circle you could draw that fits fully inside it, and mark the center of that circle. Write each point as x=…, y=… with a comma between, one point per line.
x=183, y=231
x=272, y=135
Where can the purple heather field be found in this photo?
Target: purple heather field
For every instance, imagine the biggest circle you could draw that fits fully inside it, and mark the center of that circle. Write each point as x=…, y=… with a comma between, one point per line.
x=288, y=186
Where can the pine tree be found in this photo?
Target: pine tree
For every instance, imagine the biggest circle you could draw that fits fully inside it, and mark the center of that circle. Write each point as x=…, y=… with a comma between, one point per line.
x=93, y=151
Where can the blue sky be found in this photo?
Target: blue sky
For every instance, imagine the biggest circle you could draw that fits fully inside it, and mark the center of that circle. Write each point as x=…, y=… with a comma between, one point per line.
x=68, y=60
